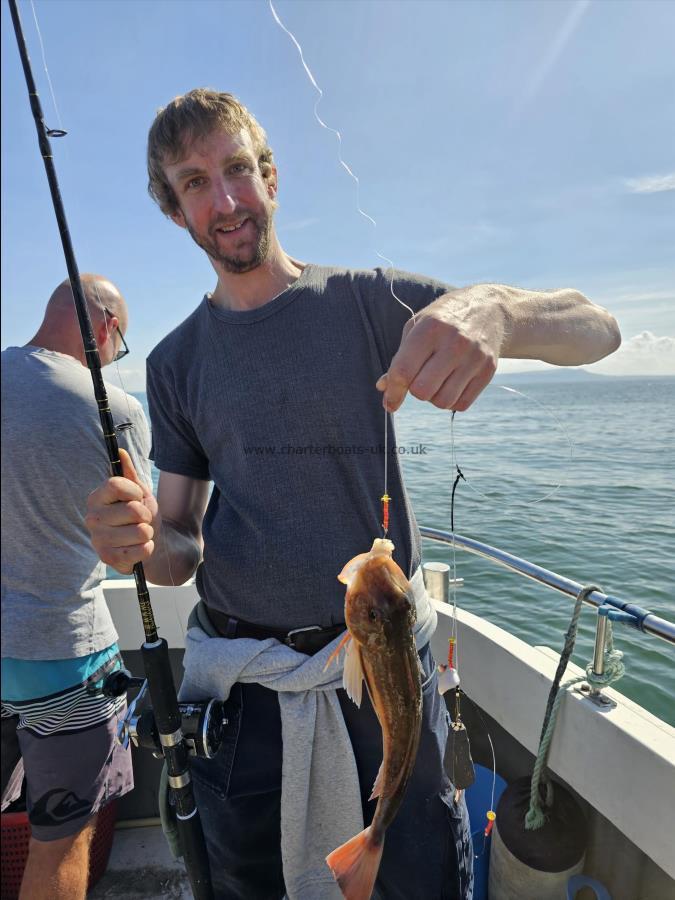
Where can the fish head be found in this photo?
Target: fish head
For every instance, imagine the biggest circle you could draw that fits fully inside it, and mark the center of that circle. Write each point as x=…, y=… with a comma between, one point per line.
x=377, y=606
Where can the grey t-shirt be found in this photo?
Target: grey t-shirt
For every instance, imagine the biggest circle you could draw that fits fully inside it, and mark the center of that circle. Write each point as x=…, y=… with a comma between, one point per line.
x=278, y=407
x=53, y=456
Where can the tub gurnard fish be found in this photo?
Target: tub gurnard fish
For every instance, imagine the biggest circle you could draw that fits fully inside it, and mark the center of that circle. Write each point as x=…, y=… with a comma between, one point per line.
x=380, y=650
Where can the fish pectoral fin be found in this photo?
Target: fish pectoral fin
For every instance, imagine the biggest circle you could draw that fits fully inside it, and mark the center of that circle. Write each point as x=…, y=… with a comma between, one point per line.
x=377, y=787
x=334, y=655
x=399, y=580
x=352, y=567
x=353, y=676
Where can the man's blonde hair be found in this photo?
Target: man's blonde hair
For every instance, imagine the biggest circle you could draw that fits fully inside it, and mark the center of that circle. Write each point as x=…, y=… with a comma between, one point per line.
x=189, y=117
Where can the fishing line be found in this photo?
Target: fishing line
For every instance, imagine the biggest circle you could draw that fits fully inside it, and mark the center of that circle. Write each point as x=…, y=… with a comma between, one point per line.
x=454, y=654
x=165, y=546
x=490, y=813
x=155, y=650
x=131, y=447
x=342, y=162
x=454, y=547
x=102, y=308
x=490, y=818
x=44, y=63
x=131, y=450
x=493, y=501
x=385, y=497
x=348, y=169
x=122, y=386
x=454, y=651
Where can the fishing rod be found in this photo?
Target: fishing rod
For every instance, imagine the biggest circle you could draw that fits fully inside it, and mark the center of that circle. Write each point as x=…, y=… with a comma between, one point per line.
x=155, y=650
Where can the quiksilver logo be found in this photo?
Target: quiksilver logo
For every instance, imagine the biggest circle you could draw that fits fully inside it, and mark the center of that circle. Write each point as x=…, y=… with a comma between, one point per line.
x=57, y=806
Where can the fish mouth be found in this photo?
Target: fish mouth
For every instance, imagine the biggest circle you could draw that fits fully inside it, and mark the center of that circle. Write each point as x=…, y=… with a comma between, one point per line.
x=382, y=546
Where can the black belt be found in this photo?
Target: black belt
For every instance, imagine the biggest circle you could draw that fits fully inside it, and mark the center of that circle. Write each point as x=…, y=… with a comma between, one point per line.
x=307, y=640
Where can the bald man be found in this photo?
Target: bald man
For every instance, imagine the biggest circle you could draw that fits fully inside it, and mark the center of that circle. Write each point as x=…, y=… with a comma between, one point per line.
x=58, y=638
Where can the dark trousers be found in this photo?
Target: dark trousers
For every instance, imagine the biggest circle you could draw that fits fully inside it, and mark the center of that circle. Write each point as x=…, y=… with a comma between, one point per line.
x=427, y=849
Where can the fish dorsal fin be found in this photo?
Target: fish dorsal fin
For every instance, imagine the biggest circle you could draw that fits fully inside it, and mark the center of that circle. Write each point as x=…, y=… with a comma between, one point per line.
x=352, y=567
x=353, y=676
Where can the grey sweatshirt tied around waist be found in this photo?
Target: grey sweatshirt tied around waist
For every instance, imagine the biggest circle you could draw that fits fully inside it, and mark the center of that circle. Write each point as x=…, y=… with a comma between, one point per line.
x=320, y=796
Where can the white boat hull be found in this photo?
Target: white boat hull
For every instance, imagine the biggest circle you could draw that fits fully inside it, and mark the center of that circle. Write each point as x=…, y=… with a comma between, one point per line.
x=619, y=761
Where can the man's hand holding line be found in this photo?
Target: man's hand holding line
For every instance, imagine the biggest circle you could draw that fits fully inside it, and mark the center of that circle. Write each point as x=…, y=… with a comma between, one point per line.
x=449, y=351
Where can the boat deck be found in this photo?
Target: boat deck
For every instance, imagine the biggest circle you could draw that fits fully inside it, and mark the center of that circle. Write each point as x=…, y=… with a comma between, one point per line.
x=141, y=865
x=626, y=796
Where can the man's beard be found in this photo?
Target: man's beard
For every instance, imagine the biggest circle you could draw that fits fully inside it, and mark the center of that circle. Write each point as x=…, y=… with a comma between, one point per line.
x=253, y=255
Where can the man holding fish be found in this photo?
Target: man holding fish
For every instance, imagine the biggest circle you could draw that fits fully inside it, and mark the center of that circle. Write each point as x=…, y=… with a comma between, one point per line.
x=289, y=352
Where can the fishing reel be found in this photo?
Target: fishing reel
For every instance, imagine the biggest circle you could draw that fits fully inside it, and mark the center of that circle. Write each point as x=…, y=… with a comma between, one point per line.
x=203, y=722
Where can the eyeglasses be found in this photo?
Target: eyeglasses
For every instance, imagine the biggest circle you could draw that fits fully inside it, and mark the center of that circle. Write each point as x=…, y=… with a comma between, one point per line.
x=122, y=352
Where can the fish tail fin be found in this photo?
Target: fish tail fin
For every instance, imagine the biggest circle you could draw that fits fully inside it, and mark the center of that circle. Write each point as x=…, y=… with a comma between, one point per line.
x=355, y=865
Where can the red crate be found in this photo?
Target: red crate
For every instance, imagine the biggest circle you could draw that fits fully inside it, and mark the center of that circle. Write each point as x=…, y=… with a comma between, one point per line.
x=15, y=837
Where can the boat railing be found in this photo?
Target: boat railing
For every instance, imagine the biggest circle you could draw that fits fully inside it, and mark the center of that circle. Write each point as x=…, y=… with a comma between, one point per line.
x=610, y=607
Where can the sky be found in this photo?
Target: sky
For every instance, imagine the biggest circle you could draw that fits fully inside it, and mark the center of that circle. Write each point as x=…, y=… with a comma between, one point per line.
x=526, y=143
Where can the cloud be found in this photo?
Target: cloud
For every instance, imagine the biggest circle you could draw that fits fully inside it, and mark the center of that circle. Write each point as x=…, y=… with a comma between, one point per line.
x=131, y=380
x=621, y=299
x=651, y=184
x=643, y=354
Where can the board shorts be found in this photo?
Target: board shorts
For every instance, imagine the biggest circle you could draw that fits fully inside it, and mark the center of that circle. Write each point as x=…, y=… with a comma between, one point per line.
x=66, y=746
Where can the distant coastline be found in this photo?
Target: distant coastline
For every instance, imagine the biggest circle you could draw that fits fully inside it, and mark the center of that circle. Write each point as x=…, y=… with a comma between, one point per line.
x=561, y=375
x=575, y=375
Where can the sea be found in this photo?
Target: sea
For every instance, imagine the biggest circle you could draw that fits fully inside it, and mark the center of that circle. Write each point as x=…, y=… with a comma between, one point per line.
x=573, y=472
